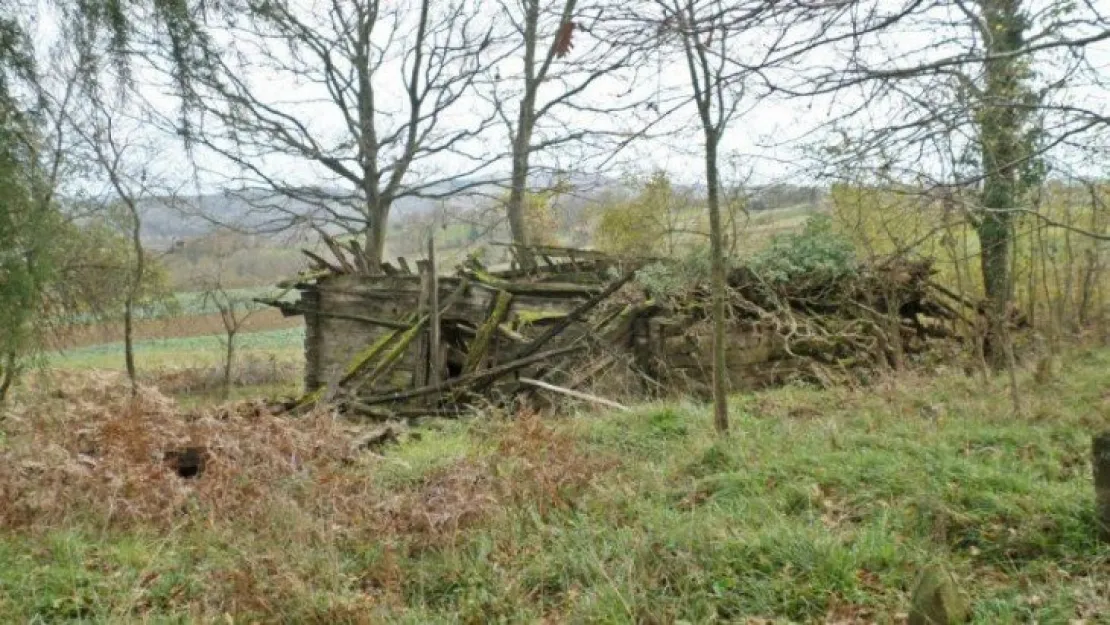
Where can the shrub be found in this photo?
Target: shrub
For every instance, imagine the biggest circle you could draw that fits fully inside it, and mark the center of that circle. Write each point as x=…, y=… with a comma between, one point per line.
x=816, y=253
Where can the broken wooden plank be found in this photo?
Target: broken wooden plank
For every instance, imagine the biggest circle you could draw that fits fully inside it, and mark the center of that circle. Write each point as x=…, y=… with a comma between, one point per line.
x=420, y=367
x=575, y=394
x=574, y=315
x=394, y=355
x=289, y=309
x=480, y=345
x=435, y=356
x=479, y=376
x=337, y=251
x=504, y=330
x=319, y=260
x=358, y=256
x=591, y=372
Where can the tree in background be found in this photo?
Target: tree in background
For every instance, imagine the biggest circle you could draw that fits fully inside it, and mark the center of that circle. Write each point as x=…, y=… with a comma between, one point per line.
x=707, y=34
x=652, y=223
x=565, y=57
x=235, y=310
x=395, y=77
x=971, y=111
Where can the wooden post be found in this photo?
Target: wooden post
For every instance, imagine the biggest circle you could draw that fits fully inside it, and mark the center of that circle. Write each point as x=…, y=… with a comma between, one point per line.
x=435, y=360
x=1100, y=461
x=420, y=364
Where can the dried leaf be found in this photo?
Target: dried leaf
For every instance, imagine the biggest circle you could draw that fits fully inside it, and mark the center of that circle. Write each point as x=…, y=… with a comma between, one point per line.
x=563, y=40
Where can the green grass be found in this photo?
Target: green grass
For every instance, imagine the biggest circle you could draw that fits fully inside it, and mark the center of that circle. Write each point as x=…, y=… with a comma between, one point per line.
x=193, y=351
x=821, y=505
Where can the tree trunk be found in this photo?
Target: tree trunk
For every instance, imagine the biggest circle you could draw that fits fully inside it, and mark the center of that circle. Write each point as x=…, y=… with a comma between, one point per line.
x=1000, y=136
x=8, y=377
x=229, y=360
x=522, y=140
x=719, y=286
x=1100, y=462
x=994, y=244
x=129, y=342
x=375, y=237
x=518, y=224
x=133, y=290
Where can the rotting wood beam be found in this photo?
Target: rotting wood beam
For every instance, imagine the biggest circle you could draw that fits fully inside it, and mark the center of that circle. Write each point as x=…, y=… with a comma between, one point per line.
x=321, y=262
x=574, y=315
x=293, y=309
x=575, y=394
x=435, y=356
x=486, y=374
x=480, y=345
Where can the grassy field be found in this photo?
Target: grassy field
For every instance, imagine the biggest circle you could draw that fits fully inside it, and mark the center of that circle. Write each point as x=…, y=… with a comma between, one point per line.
x=821, y=507
x=285, y=345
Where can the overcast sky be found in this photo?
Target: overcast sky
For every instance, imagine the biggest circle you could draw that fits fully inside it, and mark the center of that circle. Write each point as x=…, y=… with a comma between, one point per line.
x=772, y=139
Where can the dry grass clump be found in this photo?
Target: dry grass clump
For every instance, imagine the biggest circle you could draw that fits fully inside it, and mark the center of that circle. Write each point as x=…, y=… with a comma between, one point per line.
x=84, y=446
x=84, y=449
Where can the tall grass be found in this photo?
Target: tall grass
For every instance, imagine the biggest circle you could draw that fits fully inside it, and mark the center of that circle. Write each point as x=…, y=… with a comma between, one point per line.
x=821, y=508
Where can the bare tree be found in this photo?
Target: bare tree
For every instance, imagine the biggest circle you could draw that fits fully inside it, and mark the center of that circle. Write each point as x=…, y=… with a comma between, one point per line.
x=967, y=99
x=372, y=110
x=123, y=161
x=567, y=55
x=235, y=310
x=708, y=35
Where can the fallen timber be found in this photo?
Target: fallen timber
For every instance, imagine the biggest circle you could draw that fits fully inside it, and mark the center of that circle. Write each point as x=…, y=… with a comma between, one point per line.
x=579, y=327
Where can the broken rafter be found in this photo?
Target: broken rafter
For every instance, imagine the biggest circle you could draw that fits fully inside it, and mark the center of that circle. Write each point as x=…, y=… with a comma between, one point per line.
x=575, y=394
x=337, y=251
x=320, y=262
x=474, y=378
x=480, y=345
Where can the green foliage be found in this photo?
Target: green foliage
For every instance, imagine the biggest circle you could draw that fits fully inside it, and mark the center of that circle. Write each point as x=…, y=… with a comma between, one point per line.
x=817, y=253
x=803, y=519
x=29, y=243
x=678, y=276
x=539, y=214
x=647, y=224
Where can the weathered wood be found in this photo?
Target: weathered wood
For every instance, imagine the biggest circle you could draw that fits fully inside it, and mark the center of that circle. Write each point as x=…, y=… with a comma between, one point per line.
x=1100, y=462
x=507, y=332
x=289, y=309
x=588, y=374
x=337, y=251
x=480, y=345
x=435, y=359
x=542, y=289
x=420, y=367
x=573, y=316
x=323, y=264
x=404, y=265
x=394, y=355
x=479, y=376
x=575, y=394
x=358, y=256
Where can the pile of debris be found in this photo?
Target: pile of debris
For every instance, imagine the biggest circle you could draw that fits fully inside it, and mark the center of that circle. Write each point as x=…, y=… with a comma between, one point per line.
x=405, y=344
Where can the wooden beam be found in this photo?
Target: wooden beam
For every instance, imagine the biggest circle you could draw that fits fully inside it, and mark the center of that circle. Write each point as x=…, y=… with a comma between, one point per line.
x=479, y=376
x=435, y=359
x=480, y=345
x=319, y=260
x=575, y=394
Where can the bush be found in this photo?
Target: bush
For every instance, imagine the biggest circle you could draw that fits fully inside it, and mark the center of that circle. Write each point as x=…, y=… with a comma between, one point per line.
x=676, y=277
x=816, y=253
